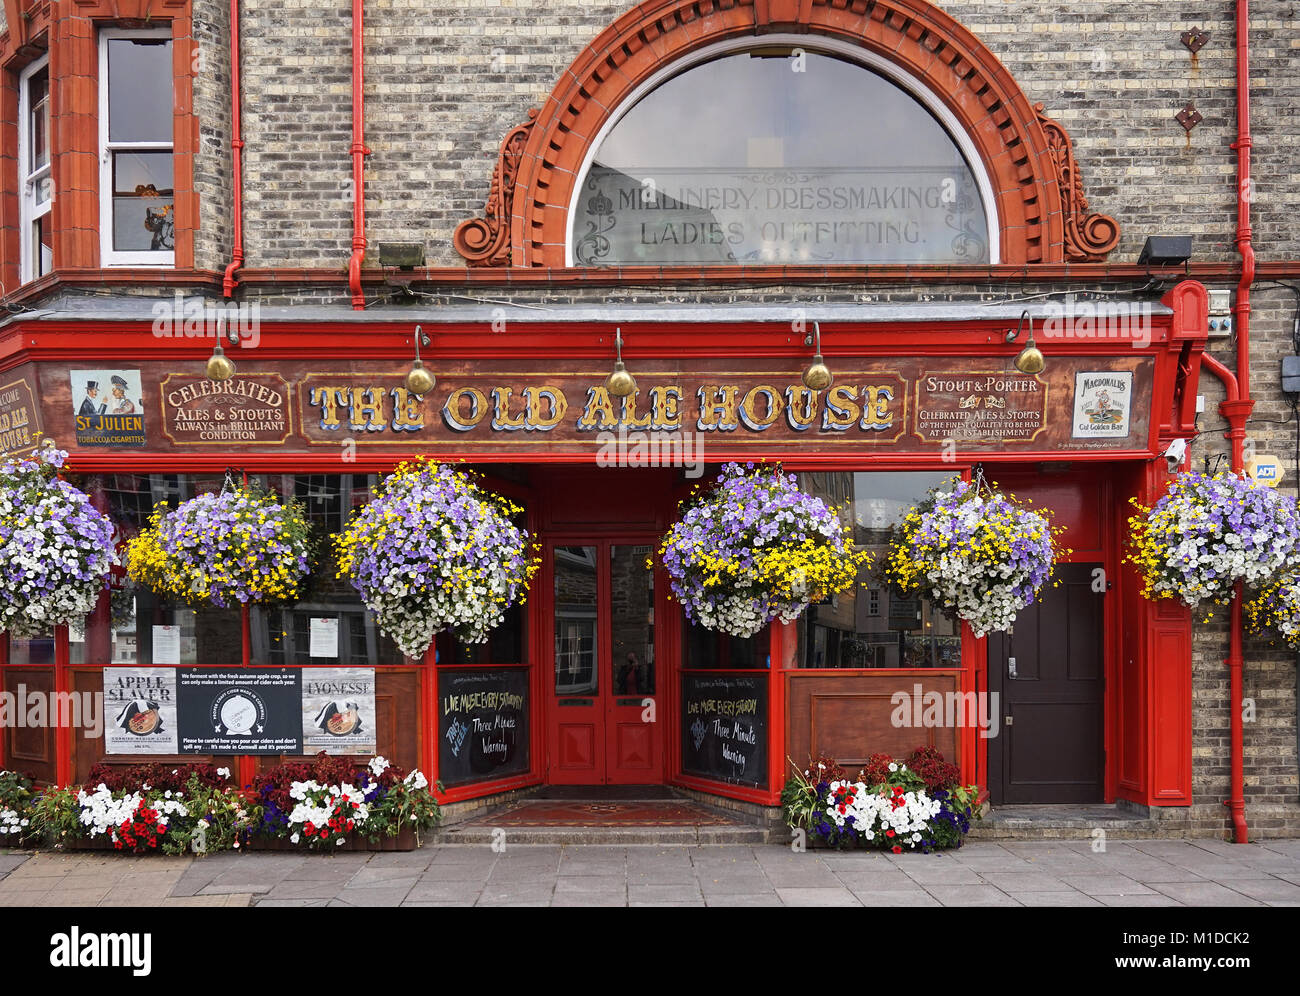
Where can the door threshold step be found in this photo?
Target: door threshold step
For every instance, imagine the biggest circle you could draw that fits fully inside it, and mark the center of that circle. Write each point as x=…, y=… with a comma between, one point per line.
x=486, y=835
x=577, y=821
x=1064, y=822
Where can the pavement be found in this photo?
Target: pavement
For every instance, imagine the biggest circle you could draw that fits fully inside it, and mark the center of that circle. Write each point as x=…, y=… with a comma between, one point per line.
x=982, y=873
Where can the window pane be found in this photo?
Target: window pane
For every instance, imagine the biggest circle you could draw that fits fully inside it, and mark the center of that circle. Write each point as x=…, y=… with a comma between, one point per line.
x=803, y=159
x=38, y=121
x=632, y=620
x=575, y=620
x=143, y=216
x=139, y=90
x=709, y=649
x=43, y=244
x=872, y=625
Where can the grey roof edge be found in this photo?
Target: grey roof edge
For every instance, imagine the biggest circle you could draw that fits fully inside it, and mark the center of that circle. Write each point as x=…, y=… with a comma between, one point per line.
x=142, y=310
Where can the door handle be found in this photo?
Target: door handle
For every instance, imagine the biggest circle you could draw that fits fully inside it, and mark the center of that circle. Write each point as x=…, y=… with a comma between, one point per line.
x=1011, y=667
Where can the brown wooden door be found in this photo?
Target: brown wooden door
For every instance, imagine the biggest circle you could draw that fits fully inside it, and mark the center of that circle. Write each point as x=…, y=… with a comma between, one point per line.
x=1048, y=674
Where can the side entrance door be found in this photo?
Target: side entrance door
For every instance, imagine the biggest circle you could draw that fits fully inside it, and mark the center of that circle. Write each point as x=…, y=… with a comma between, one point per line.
x=602, y=726
x=1048, y=674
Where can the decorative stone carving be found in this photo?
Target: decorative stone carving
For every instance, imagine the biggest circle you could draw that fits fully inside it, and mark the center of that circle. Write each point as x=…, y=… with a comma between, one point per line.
x=1088, y=237
x=486, y=241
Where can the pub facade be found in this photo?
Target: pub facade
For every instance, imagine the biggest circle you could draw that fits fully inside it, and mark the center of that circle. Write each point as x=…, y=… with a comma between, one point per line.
x=717, y=196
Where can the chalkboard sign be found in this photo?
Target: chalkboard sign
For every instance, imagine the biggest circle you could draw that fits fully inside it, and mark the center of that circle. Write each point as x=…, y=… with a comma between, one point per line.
x=482, y=724
x=724, y=727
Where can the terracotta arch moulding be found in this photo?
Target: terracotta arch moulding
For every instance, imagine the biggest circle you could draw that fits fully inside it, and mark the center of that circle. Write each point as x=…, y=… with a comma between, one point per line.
x=1028, y=156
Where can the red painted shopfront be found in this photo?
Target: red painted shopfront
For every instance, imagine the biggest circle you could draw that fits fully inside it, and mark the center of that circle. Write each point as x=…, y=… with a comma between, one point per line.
x=608, y=683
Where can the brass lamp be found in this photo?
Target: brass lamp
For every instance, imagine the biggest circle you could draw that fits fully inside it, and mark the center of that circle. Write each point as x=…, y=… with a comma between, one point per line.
x=620, y=383
x=419, y=380
x=817, y=376
x=220, y=366
x=1030, y=359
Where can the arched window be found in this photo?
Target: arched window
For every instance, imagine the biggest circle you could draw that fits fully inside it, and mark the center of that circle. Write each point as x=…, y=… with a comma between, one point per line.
x=781, y=153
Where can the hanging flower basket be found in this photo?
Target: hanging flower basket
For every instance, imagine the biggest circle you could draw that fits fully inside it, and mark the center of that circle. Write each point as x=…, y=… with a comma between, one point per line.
x=1207, y=533
x=56, y=548
x=756, y=548
x=1277, y=607
x=980, y=555
x=242, y=545
x=433, y=551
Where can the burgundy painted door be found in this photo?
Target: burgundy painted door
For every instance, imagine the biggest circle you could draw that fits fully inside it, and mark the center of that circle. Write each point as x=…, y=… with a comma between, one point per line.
x=602, y=728
x=1049, y=677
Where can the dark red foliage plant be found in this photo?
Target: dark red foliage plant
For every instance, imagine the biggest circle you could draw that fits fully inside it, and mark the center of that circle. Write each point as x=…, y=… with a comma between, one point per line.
x=937, y=773
x=133, y=777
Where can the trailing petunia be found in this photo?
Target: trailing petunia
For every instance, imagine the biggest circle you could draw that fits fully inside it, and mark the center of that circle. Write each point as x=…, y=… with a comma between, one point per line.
x=433, y=551
x=1277, y=607
x=756, y=548
x=241, y=545
x=980, y=555
x=1207, y=533
x=56, y=548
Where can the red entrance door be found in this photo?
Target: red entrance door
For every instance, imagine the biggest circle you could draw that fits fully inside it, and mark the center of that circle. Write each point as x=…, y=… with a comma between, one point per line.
x=603, y=724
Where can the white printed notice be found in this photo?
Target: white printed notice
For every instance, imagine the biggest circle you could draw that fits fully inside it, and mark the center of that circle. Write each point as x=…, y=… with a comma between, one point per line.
x=140, y=710
x=167, y=645
x=1101, y=403
x=324, y=640
x=338, y=710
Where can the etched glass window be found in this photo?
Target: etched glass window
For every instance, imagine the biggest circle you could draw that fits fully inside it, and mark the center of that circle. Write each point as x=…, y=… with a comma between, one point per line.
x=778, y=155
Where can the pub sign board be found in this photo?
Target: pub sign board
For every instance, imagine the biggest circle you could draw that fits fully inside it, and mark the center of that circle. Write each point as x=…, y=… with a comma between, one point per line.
x=914, y=404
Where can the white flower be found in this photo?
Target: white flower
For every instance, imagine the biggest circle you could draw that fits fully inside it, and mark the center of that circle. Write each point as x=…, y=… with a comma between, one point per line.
x=379, y=765
x=223, y=772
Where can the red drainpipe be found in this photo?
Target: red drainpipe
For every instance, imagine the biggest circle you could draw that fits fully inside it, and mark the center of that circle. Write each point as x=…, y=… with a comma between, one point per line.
x=236, y=156
x=359, y=152
x=1236, y=408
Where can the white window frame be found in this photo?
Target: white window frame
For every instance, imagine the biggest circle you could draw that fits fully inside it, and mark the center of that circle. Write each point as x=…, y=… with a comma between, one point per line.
x=29, y=212
x=109, y=256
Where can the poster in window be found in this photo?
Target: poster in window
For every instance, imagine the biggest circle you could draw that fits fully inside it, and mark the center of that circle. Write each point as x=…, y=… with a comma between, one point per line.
x=140, y=710
x=338, y=710
x=108, y=408
x=256, y=711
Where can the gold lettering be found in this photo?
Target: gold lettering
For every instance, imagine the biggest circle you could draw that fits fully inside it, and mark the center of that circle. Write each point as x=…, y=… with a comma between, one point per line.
x=718, y=405
x=772, y=406
x=558, y=405
x=408, y=411
x=366, y=410
x=324, y=398
x=598, y=412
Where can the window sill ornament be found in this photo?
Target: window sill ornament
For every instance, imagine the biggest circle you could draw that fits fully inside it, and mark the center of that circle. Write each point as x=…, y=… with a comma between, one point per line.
x=241, y=545
x=56, y=548
x=755, y=549
x=1207, y=533
x=433, y=551
x=980, y=555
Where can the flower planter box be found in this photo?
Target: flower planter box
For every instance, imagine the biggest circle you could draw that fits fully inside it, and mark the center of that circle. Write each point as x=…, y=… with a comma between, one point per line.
x=404, y=841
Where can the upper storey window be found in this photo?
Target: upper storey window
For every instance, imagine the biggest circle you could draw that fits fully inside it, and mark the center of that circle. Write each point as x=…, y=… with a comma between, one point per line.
x=35, y=184
x=782, y=155
x=136, y=124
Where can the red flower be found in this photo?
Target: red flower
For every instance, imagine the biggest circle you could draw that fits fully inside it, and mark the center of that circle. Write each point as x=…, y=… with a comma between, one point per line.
x=897, y=849
x=889, y=833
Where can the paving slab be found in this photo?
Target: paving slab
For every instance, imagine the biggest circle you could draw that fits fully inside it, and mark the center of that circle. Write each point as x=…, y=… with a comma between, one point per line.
x=817, y=897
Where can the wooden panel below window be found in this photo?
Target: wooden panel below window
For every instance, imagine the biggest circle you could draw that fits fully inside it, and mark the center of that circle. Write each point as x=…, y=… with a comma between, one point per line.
x=29, y=749
x=848, y=715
